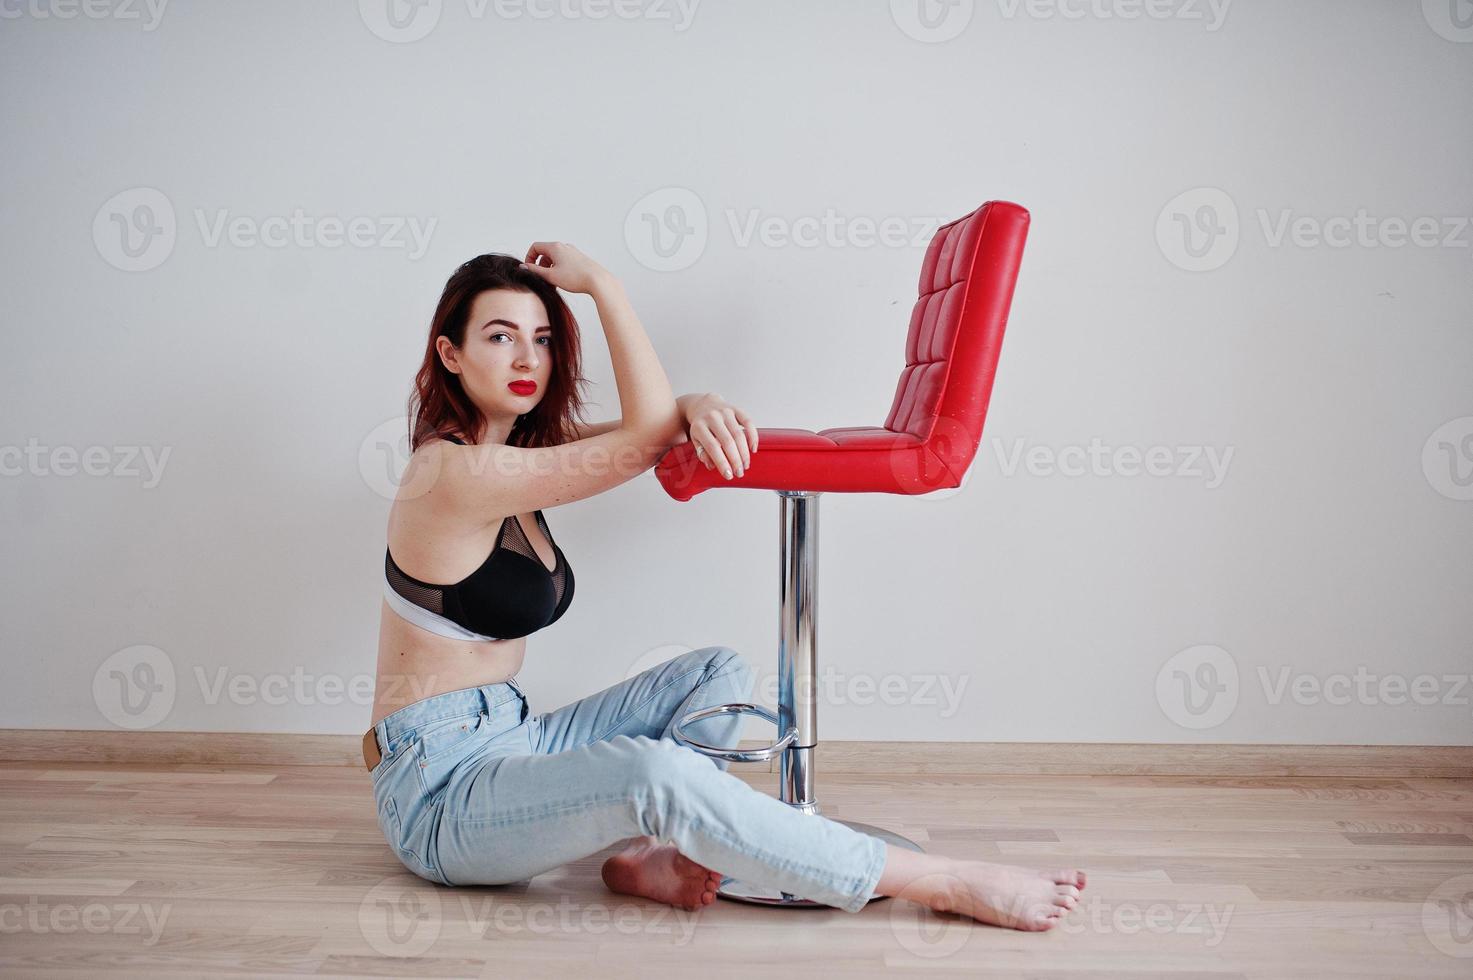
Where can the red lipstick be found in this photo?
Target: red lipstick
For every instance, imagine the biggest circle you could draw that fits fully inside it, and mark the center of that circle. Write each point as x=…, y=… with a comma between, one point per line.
x=523, y=387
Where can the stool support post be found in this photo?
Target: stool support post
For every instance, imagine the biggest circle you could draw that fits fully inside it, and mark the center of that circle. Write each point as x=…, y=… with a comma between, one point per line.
x=797, y=653
x=797, y=692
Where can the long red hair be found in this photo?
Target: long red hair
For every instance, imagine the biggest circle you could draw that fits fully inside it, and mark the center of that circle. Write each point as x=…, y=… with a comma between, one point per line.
x=439, y=406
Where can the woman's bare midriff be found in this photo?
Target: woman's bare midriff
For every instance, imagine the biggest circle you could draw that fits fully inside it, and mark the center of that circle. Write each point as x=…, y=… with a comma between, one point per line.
x=413, y=663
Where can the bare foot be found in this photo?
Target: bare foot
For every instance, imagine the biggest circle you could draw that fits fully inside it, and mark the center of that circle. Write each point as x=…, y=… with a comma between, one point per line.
x=1012, y=896
x=658, y=871
x=997, y=894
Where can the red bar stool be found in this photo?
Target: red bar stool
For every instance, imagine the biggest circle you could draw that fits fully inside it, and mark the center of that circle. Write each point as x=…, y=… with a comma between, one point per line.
x=927, y=443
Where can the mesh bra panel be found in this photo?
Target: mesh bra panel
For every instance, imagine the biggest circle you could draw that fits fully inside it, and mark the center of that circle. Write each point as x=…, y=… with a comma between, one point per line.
x=502, y=598
x=430, y=597
x=560, y=575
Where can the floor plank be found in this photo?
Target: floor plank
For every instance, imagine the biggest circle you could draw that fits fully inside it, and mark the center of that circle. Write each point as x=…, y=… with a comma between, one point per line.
x=280, y=871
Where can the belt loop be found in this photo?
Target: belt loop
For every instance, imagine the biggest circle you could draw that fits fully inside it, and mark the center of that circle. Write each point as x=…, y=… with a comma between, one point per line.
x=513, y=683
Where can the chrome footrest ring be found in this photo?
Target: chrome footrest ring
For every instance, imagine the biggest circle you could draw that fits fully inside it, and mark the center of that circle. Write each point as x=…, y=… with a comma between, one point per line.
x=733, y=755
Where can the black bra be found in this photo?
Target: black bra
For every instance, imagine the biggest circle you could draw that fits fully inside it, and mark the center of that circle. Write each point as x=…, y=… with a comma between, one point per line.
x=511, y=595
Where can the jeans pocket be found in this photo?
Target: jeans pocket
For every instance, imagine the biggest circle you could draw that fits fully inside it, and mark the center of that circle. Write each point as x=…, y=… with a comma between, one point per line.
x=438, y=740
x=393, y=830
x=388, y=822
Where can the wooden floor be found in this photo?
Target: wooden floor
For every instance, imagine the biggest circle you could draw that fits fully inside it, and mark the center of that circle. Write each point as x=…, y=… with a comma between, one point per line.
x=281, y=871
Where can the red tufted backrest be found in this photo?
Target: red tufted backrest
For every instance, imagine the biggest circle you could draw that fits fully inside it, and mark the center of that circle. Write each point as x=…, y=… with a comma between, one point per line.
x=956, y=329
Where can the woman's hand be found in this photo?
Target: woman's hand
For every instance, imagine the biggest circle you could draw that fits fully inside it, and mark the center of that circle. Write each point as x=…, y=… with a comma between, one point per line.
x=725, y=436
x=565, y=267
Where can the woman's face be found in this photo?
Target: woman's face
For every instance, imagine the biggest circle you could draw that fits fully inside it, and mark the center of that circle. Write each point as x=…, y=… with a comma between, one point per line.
x=505, y=362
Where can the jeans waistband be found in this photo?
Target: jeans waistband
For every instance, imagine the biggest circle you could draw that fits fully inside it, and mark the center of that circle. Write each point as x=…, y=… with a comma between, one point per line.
x=503, y=702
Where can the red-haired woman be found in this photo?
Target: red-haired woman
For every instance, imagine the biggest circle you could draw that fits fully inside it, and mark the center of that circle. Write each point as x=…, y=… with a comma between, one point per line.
x=471, y=787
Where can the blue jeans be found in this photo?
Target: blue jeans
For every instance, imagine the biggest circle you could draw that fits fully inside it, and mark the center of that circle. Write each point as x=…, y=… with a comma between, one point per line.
x=473, y=789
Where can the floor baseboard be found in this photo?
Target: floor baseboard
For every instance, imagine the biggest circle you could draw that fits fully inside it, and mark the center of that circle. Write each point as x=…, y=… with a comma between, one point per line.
x=976, y=758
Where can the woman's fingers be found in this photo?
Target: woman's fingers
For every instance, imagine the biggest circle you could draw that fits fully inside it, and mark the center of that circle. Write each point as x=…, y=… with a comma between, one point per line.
x=726, y=437
x=732, y=457
x=734, y=441
x=748, y=426
x=705, y=438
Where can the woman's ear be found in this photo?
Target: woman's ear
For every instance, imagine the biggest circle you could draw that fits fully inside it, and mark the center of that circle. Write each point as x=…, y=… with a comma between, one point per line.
x=446, y=353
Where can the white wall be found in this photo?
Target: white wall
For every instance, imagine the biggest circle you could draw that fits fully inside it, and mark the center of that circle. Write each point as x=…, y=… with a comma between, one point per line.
x=1337, y=541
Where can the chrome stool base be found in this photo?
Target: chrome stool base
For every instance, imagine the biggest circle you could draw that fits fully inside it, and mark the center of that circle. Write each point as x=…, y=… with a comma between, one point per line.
x=796, y=718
